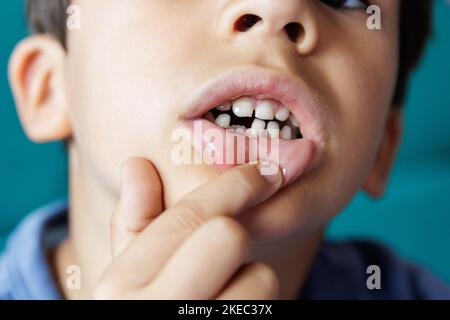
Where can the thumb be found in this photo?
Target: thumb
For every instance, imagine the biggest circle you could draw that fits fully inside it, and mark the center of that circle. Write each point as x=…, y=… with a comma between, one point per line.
x=140, y=202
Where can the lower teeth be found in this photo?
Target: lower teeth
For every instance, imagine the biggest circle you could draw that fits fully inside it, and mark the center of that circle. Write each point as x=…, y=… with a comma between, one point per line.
x=253, y=127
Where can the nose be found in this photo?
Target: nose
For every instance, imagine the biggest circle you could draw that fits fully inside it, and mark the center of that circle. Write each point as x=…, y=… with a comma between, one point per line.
x=291, y=20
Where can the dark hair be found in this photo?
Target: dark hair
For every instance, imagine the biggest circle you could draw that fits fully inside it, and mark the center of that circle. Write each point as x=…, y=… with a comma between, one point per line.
x=415, y=29
x=49, y=16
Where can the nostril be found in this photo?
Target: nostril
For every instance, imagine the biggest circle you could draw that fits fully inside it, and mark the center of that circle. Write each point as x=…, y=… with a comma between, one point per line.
x=246, y=22
x=293, y=31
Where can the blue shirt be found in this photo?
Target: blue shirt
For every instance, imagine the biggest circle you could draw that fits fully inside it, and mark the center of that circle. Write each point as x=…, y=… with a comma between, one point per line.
x=339, y=271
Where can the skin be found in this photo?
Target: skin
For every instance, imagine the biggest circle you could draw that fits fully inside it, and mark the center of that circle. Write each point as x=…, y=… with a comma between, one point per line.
x=117, y=93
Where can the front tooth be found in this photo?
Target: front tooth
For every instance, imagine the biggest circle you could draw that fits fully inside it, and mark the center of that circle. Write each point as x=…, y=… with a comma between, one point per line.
x=223, y=121
x=286, y=133
x=282, y=114
x=243, y=107
x=294, y=121
x=258, y=124
x=224, y=107
x=265, y=110
x=273, y=128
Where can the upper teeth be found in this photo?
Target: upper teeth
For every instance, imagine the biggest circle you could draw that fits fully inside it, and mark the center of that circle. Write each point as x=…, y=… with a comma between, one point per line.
x=265, y=110
x=269, y=116
x=283, y=114
x=224, y=107
x=243, y=107
x=294, y=121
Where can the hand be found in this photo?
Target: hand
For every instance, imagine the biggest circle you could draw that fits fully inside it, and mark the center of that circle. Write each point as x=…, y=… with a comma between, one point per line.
x=193, y=250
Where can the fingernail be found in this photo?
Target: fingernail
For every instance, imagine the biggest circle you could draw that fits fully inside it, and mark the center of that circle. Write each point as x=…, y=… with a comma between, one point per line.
x=271, y=172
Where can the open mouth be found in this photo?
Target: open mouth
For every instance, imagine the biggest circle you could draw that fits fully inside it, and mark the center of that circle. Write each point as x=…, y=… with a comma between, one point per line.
x=256, y=116
x=264, y=107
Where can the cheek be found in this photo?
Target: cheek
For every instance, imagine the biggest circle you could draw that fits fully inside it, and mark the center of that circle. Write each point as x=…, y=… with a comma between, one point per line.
x=126, y=98
x=360, y=91
x=121, y=107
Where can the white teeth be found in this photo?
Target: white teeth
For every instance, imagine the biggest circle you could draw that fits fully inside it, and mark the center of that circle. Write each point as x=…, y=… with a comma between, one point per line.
x=239, y=129
x=294, y=121
x=286, y=133
x=252, y=133
x=262, y=133
x=265, y=110
x=223, y=121
x=273, y=125
x=258, y=127
x=273, y=129
x=224, y=107
x=258, y=124
x=282, y=114
x=243, y=107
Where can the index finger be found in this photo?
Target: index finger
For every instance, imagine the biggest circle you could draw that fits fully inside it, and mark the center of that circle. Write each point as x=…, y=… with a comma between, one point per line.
x=227, y=195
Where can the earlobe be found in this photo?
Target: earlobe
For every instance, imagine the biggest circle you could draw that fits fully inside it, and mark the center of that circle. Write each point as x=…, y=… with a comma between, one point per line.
x=377, y=179
x=36, y=75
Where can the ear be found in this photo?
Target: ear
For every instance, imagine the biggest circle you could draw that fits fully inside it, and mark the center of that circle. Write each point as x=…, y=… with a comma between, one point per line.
x=377, y=179
x=36, y=75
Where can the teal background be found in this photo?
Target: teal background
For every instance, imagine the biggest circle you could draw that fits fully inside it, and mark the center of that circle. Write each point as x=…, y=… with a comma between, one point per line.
x=413, y=217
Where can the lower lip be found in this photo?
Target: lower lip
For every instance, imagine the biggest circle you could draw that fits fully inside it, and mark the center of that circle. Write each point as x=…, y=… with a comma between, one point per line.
x=294, y=157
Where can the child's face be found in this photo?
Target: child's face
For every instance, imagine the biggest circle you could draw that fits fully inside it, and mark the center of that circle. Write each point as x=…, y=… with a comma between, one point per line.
x=134, y=67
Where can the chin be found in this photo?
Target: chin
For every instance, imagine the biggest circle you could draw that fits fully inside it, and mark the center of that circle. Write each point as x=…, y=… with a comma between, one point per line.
x=279, y=217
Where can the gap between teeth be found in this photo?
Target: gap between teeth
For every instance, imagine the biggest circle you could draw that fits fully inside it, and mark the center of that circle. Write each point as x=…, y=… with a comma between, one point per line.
x=270, y=118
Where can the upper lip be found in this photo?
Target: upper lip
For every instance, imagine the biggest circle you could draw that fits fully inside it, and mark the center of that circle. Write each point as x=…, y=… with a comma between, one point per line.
x=291, y=91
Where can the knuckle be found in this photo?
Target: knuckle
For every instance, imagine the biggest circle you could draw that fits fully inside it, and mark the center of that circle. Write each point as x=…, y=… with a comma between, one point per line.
x=189, y=215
